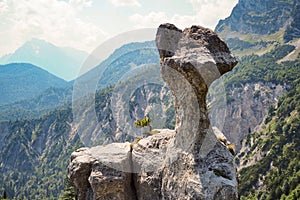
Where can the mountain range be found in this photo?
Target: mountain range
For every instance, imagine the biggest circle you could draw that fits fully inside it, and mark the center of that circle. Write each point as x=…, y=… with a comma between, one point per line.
x=260, y=113
x=20, y=81
x=63, y=62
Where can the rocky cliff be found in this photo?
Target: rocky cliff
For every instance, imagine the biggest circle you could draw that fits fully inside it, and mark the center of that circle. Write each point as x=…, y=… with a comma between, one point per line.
x=258, y=26
x=246, y=109
x=260, y=16
x=186, y=163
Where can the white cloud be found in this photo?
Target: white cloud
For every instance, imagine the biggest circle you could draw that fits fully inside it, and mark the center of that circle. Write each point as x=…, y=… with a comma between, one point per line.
x=3, y=6
x=73, y=23
x=125, y=3
x=207, y=14
x=150, y=20
x=154, y=19
x=52, y=20
x=80, y=4
x=211, y=11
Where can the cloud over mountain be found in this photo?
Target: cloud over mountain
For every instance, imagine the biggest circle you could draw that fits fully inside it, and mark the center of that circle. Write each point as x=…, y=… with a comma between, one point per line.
x=58, y=22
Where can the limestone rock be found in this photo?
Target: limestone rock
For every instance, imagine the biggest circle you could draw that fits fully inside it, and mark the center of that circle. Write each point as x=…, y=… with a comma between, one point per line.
x=200, y=167
x=186, y=163
x=109, y=172
x=102, y=172
x=149, y=157
x=79, y=171
x=200, y=57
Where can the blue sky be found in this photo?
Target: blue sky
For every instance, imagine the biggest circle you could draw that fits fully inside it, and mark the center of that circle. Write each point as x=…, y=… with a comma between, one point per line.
x=85, y=24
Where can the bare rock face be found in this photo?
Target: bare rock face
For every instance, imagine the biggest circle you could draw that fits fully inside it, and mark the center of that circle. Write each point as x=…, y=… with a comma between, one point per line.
x=102, y=172
x=186, y=163
x=191, y=60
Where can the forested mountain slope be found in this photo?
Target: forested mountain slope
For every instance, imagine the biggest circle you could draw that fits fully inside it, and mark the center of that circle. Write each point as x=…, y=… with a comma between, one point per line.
x=270, y=157
x=20, y=81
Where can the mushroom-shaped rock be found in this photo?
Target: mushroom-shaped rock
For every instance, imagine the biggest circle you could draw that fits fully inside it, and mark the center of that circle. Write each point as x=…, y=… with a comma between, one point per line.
x=199, y=166
x=185, y=163
x=190, y=61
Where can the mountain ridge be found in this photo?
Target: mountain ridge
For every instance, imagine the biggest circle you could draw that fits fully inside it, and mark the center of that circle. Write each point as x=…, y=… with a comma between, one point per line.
x=20, y=81
x=261, y=16
x=256, y=26
x=63, y=62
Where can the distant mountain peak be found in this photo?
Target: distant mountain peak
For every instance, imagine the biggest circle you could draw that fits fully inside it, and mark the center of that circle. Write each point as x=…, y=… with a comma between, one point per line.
x=32, y=40
x=60, y=61
x=35, y=42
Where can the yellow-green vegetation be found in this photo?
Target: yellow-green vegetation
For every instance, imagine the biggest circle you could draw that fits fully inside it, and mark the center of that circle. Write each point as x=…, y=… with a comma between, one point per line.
x=231, y=148
x=222, y=139
x=134, y=142
x=254, y=68
x=143, y=122
x=246, y=44
x=259, y=51
x=153, y=132
x=253, y=38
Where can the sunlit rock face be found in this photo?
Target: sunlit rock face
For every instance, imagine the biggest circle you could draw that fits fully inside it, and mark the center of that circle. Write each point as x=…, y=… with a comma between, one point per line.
x=186, y=163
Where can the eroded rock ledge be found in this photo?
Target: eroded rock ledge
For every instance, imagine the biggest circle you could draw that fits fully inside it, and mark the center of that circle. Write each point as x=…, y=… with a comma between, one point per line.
x=187, y=163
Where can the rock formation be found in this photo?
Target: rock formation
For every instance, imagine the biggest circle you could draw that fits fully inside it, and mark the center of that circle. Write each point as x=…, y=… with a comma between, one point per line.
x=186, y=163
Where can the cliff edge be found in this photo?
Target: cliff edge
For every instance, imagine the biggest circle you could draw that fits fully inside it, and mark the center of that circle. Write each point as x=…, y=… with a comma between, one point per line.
x=186, y=163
